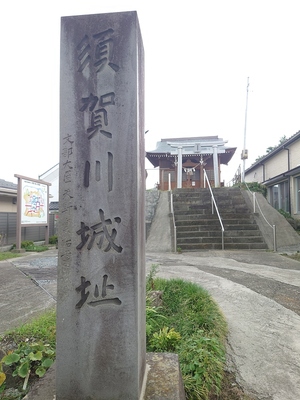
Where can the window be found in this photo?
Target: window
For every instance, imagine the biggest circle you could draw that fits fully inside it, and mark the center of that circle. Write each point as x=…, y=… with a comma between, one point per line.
x=297, y=194
x=274, y=197
x=280, y=196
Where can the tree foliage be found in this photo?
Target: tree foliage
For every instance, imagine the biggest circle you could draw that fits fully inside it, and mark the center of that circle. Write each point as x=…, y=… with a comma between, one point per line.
x=282, y=140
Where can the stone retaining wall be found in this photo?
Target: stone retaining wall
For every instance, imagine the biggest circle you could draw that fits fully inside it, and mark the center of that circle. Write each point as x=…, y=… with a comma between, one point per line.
x=152, y=197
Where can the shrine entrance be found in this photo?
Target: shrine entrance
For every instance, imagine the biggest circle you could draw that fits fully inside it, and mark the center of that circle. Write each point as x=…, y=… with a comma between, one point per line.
x=181, y=161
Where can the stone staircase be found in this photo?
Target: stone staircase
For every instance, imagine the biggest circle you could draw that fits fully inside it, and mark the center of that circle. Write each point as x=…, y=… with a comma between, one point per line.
x=198, y=229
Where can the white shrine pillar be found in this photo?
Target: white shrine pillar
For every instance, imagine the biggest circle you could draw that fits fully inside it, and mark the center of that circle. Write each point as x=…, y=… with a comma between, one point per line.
x=216, y=166
x=179, y=168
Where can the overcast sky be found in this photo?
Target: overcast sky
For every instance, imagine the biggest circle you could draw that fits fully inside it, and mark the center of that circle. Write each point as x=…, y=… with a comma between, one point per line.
x=198, y=56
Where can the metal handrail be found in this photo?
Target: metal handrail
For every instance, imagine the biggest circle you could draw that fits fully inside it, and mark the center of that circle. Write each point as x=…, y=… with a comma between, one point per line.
x=174, y=224
x=273, y=227
x=213, y=203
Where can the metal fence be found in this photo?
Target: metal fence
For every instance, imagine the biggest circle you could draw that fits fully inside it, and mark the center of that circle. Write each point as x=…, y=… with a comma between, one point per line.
x=8, y=228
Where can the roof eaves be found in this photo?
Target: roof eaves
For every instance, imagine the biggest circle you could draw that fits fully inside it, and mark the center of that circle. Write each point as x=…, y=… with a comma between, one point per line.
x=282, y=146
x=8, y=185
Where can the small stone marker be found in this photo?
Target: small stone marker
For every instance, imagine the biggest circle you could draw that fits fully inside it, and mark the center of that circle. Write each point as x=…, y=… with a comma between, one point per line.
x=101, y=260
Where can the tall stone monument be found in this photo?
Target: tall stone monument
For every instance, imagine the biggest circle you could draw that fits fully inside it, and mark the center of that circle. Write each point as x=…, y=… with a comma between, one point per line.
x=101, y=259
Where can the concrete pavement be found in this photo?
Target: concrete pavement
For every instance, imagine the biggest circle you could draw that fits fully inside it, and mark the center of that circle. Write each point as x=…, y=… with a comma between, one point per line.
x=264, y=335
x=258, y=292
x=27, y=287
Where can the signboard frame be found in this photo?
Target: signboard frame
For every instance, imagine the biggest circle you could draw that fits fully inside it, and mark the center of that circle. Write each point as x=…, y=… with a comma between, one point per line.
x=32, y=205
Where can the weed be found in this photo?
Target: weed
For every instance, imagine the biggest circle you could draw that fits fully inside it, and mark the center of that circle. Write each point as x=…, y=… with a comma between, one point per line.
x=150, y=277
x=27, y=245
x=254, y=187
x=284, y=213
x=5, y=255
x=41, y=329
x=167, y=339
x=295, y=256
x=53, y=239
x=29, y=352
x=202, y=360
x=28, y=358
x=195, y=328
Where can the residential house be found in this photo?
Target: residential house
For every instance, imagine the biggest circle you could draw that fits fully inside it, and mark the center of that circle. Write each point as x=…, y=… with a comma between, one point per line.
x=279, y=171
x=52, y=176
x=8, y=196
x=8, y=217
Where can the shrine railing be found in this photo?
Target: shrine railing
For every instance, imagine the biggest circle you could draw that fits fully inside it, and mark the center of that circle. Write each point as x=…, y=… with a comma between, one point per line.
x=256, y=203
x=214, y=206
x=173, y=219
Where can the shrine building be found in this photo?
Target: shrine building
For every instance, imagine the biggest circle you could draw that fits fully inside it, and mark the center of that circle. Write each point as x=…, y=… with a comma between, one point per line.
x=182, y=161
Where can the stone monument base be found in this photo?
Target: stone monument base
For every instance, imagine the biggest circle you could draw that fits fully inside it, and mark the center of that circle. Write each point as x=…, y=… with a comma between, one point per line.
x=164, y=380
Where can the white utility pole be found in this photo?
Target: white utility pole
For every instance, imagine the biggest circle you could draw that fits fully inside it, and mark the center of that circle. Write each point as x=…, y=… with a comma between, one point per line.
x=245, y=152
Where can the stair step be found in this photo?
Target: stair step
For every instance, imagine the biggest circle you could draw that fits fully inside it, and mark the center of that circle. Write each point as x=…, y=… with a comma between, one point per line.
x=205, y=211
x=218, y=246
x=208, y=216
x=237, y=240
x=197, y=228
x=214, y=222
x=216, y=233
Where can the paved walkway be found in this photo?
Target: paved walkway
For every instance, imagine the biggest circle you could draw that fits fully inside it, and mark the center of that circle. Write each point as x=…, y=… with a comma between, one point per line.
x=258, y=292
x=27, y=287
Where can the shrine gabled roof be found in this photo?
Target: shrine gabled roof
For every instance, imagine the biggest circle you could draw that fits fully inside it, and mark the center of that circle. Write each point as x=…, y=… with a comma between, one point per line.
x=164, y=148
x=164, y=145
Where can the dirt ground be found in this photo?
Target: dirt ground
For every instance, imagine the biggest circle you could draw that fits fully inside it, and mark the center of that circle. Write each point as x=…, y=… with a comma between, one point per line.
x=231, y=390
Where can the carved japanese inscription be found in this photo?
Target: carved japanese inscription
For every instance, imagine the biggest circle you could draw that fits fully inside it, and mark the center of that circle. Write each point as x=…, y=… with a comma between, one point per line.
x=101, y=250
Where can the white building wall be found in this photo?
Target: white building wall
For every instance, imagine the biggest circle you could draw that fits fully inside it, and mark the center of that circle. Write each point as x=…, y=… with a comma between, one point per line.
x=276, y=165
x=8, y=203
x=295, y=154
x=255, y=175
x=52, y=176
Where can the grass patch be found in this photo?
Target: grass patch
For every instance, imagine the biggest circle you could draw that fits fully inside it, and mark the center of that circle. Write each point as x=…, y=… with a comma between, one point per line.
x=5, y=255
x=295, y=256
x=38, y=249
x=28, y=245
x=41, y=329
x=190, y=323
x=187, y=322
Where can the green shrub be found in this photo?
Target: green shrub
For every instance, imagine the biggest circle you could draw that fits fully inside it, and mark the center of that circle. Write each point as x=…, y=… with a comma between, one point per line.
x=284, y=213
x=53, y=239
x=254, y=187
x=166, y=340
x=27, y=245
